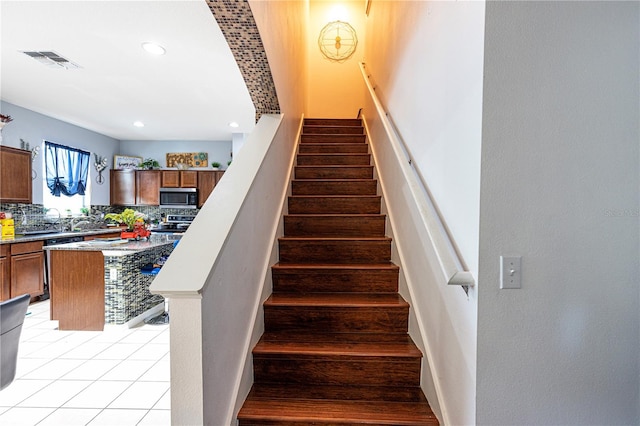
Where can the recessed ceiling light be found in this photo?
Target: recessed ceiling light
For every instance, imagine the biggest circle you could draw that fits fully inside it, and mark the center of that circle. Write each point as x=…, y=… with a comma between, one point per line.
x=138, y=123
x=234, y=124
x=153, y=48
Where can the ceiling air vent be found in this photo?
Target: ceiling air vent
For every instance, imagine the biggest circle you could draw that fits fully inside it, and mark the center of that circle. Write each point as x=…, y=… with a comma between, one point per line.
x=52, y=60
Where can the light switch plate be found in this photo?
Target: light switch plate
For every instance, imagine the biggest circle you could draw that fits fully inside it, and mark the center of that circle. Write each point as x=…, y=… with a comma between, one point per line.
x=510, y=272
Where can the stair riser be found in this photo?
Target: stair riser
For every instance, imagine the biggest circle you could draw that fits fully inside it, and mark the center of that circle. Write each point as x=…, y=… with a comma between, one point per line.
x=369, y=372
x=332, y=281
x=341, y=172
x=334, y=205
x=332, y=139
x=334, y=160
x=330, y=187
x=334, y=226
x=333, y=148
x=332, y=122
x=336, y=320
x=339, y=252
x=332, y=130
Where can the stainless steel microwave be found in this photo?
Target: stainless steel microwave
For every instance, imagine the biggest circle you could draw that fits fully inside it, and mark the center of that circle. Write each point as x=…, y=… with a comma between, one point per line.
x=179, y=198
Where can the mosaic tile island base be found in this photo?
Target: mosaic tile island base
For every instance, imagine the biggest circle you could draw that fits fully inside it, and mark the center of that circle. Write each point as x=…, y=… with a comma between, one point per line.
x=94, y=283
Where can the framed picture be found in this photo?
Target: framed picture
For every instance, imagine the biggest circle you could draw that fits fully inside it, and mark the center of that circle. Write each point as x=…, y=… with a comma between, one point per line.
x=126, y=162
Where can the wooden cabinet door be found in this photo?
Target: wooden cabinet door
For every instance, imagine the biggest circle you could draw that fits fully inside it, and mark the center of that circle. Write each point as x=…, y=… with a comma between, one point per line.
x=27, y=274
x=148, y=187
x=123, y=187
x=5, y=277
x=189, y=179
x=207, y=180
x=15, y=175
x=170, y=179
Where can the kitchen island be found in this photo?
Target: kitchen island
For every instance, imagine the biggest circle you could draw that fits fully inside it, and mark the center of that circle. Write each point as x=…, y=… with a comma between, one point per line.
x=99, y=282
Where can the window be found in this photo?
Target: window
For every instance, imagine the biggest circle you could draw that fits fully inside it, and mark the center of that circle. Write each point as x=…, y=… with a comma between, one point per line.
x=66, y=178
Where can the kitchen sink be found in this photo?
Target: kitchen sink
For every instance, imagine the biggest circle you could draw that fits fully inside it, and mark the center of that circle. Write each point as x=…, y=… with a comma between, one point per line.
x=39, y=232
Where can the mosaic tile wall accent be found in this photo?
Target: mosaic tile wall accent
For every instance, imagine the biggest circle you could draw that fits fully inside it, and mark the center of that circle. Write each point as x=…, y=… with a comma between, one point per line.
x=35, y=212
x=127, y=294
x=241, y=32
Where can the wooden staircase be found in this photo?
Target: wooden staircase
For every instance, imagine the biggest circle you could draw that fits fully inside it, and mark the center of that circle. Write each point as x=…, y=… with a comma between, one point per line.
x=335, y=348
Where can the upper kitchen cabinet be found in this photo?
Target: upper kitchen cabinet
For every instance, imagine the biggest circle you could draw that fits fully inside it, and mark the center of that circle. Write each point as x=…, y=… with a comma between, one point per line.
x=135, y=187
x=147, y=187
x=123, y=187
x=207, y=180
x=179, y=179
x=15, y=175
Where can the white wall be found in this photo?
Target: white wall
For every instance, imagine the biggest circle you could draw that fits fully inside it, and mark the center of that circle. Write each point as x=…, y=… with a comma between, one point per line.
x=560, y=178
x=426, y=60
x=35, y=128
x=335, y=88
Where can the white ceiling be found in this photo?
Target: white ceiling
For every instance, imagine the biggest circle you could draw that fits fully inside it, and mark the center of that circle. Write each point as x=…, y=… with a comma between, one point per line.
x=192, y=92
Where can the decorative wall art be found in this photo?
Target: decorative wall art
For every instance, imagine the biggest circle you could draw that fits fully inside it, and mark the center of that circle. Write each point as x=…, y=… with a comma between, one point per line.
x=126, y=162
x=191, y=159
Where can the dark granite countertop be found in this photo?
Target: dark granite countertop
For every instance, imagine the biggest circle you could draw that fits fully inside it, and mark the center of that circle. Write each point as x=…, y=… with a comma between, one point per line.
x=38, y=237
x=115, y=246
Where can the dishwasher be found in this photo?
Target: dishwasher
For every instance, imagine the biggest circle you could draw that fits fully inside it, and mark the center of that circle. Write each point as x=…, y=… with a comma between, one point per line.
x=52, y=242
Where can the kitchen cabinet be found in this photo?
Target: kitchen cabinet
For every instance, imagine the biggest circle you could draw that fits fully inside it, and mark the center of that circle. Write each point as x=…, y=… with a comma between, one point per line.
x=122, y=187
x=5, y=278
x=135, y=187
x=147, y=187
x=179, y=178
x=207, y=180
x=27, y=269
x=15, y=175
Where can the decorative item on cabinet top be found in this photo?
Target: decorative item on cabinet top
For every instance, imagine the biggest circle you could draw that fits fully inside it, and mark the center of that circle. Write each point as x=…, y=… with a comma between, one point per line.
x=126, y=162
x=192, y=159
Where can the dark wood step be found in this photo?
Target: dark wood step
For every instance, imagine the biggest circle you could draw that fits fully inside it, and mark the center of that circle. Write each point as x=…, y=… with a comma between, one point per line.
x=328, y=369
x=334, y=187
x=375, y=278
x=333, y=148
x=336, y=313
x=333, y=172
x=348, y=393
x=354, y=204
x=332, y=122
x=333, y=159
x=335, y=250
x=332, y=138
x=332, y=130
x=333, y=225
x=299, y=412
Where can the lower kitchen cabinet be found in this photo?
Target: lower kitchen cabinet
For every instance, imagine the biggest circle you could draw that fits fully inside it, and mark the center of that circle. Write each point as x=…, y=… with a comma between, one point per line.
x=26, y=269
x=5, y=278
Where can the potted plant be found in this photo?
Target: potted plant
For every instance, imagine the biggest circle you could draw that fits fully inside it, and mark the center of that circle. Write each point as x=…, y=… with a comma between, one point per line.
x=215, y=165
x=134, y=222
x=149, y=164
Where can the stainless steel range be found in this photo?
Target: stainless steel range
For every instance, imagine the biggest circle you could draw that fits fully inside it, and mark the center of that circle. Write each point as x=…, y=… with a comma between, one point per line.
x=175, y=224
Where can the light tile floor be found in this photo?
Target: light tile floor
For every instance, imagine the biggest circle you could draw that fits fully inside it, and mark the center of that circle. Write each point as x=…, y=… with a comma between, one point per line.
x=113, y=377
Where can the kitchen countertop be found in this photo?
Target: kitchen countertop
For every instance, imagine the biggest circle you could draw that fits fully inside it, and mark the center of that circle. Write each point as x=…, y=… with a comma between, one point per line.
x=115, y=246
x=38, y=237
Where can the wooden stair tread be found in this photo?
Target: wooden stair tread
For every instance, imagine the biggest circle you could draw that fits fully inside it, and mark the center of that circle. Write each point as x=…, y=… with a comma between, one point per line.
x=334, y=412
x=332, y=392
x=399, y=344
x=340, y=300
x=335, y=267
x=323, y=337
x=332, y=239
x=370, y=350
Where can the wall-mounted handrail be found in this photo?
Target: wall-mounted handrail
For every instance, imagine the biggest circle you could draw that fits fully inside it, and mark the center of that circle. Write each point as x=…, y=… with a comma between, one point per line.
x=449, y=259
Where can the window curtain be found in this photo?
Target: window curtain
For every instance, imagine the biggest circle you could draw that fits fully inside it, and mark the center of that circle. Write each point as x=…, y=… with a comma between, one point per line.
x=67, y=169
